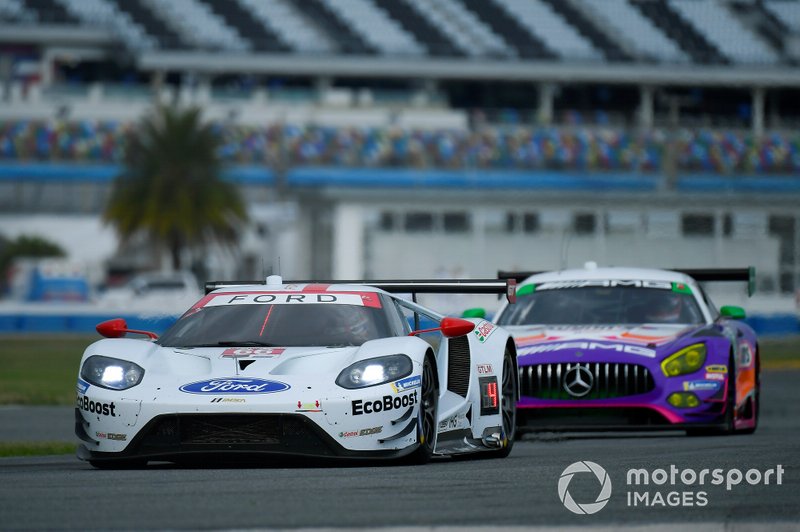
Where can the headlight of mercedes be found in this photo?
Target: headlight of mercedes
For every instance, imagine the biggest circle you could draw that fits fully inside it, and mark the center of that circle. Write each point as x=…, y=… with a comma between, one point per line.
x=687, y=360
x=111, y=373
x=374, y=371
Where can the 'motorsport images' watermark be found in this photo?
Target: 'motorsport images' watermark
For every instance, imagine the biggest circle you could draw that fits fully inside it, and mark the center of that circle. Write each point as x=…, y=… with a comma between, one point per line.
x=670, y=486
x=566, y=478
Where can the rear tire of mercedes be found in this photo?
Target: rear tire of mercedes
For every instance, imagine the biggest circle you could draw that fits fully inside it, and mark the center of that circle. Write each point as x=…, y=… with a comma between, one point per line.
x=508, y=405
x=428, y=406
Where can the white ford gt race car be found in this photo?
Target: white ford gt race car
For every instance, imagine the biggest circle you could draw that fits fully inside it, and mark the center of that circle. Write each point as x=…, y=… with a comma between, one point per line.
x=320, y=370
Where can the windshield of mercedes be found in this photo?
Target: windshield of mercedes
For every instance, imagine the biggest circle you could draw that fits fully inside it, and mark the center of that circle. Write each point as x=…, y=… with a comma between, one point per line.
x=281, y=319
x=602, y=303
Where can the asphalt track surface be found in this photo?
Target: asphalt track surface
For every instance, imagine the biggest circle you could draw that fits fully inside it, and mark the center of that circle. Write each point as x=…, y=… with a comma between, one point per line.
x=64, y=493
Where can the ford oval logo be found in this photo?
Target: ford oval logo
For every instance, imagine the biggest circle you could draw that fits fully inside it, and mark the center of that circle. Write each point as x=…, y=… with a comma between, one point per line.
x=234, y=385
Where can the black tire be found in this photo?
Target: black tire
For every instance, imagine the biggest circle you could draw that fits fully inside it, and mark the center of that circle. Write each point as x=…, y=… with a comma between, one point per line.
x=428, y=406
x=118, y=464
x=727, y=426
x=508, y=404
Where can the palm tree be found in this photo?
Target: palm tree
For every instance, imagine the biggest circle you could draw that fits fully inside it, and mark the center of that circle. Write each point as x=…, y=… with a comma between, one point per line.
x=171, y=188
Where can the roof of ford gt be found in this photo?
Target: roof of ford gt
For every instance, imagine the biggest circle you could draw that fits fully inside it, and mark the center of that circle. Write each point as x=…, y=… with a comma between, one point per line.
x=579, y=274
x=297, y=288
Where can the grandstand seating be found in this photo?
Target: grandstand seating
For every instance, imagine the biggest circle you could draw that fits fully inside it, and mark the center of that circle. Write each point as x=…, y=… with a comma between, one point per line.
x=199, y=25
x=15, y=11
x=787, y=11
x=631, y=26
x=467, y=31
x=376, y=27
x=540, y=18
x=681, y=31
x=141, y=14
x=586, y=27
x=50, y=12
x=725, y=31
x=527, y=44
x=696, y=31
x=260, y=36
x=347, y=40
x=107, y=14
x=566, y=148
x=289, y=25
x=424, y=31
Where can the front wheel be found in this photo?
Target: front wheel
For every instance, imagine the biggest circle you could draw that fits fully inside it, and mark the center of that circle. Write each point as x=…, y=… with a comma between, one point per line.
x=728, y=422
x=508, y=404
x=426, y=425
x=755, y=401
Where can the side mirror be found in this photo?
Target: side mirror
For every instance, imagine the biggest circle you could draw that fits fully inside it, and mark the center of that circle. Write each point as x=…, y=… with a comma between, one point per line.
x=454, y=327
x=450, y=327
x=117, y=328
x=734, y=313
x=476, y=312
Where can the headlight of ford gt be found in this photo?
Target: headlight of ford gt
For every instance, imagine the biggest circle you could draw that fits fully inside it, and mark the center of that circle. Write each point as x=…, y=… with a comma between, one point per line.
x=111, y=373
x=687, y=360
x=374, y=371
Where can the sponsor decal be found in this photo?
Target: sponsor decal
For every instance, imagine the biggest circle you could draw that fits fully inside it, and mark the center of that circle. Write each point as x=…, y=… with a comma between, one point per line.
x=362, y=432
x=681, y=288
x=483, y=330
x=362, y=299
x=384, y=404
x=234, y=385
x=415, y=381
x=745, y=354
x=717, y=368
x=316, y=406
x=96, y=407
x=485, y=369
x=111, y=436
x=715, y=376
x=455, y=422
x=253, y=352
x=620, y=348
x=228, y=400
x=82, y=386
x=701, y=386
x=604, y=283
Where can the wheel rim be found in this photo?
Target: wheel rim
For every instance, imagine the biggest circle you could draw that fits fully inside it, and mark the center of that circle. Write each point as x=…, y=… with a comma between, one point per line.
x=428, y=405
x=509, y=409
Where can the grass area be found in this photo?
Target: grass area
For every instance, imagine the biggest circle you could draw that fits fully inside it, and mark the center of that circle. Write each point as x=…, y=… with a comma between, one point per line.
x=42, y=370
x=780, y=353
x=36, y=448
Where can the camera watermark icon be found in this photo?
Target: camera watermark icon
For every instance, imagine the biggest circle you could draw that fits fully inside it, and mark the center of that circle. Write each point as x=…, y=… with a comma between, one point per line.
x=589, y=507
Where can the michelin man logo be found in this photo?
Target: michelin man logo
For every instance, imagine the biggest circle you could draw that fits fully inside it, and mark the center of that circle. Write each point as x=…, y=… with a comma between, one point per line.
x=585, y=508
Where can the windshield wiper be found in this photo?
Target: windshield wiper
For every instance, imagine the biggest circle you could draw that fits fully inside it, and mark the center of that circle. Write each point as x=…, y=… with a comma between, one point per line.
x=229, y=343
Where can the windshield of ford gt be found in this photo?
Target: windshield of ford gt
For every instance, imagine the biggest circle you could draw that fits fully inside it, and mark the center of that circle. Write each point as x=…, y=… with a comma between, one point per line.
x=281, y=319
x=599, y=305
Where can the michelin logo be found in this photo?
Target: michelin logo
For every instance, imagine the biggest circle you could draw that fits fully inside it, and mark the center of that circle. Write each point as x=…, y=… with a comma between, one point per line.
x=407, y=384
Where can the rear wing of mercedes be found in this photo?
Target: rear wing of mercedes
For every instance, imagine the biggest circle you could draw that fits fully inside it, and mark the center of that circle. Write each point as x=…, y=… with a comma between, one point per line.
x=506, y=287
x=747, y=275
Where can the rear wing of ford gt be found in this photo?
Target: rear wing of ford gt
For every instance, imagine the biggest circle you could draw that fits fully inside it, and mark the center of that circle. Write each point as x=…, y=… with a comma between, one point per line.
x=506, y=287
x=747, y=274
